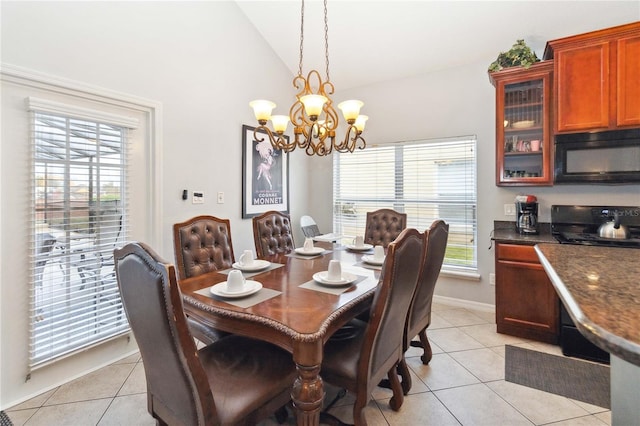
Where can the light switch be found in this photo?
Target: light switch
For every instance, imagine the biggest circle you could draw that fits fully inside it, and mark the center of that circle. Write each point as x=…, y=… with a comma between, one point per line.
x=220, y=197
x=198, y=197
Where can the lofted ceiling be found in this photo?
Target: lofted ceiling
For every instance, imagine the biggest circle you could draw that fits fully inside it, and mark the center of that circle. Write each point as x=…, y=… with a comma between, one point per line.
x=374, y=41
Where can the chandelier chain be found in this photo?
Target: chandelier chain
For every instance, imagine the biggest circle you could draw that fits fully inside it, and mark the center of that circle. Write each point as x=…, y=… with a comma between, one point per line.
x=301, y=37
x=326, y=39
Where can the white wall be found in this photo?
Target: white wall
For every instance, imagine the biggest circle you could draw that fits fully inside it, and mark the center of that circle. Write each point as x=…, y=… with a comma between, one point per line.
x=203, y=62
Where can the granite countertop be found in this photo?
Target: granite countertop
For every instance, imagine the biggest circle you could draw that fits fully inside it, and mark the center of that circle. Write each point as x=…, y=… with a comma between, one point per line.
x=505, y=232
x=600, y=287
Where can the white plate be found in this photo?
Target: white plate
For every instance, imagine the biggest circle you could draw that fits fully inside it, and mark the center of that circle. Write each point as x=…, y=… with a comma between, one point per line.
x=327, y=238
x=524, y=124
x=364, y=247
x=257, y=265
x=313, y=251
x=347, y=278
x=371, y=260
x=250, y=288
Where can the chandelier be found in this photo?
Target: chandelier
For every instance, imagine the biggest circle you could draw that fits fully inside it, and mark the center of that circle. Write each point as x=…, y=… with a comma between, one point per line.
x=312, y=115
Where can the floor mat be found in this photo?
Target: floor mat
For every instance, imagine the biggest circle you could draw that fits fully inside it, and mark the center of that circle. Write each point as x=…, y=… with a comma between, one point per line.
x=584, y=381
x=4, y=419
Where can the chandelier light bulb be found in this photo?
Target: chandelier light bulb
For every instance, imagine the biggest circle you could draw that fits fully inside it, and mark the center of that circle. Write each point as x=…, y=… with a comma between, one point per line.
x=280, y=123
x=262, y=109
x=360, y=122
x=350, y=109
x=313, y=105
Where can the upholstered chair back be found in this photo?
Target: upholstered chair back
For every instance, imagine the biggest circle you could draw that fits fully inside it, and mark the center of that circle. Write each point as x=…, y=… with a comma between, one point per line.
x=420, y=313
x=202, y=244
x=374, y=349
x=272, y=234
x=383, y=226
x=153, y=304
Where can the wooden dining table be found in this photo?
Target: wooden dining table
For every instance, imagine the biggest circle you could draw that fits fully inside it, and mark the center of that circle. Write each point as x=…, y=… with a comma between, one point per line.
x=293, y=312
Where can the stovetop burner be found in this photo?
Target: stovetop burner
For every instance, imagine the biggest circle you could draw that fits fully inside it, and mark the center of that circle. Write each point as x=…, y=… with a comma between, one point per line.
x=579, y=224
x=595, y=239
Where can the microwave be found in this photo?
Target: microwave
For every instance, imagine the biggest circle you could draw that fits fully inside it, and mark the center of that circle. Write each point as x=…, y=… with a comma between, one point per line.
x=598, y=157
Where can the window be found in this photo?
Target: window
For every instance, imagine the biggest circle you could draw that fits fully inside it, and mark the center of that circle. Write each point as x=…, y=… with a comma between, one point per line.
x=80, y=214
x=428, y=180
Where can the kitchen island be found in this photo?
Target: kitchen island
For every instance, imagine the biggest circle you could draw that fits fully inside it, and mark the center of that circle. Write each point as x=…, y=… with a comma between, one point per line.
x=600, y=287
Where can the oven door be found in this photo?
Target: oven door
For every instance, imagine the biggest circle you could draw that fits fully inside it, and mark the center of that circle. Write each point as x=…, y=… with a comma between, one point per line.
x=604, y=157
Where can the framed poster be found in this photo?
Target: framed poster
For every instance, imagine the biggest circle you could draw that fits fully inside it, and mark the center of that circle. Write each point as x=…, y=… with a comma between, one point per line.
x=265, y=175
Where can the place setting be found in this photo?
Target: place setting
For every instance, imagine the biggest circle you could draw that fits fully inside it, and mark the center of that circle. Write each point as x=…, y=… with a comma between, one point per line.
x=250, y=266
x=308, y=250
x=373, y=261
x=359, y=245
x=239, y=291
x=334, y=280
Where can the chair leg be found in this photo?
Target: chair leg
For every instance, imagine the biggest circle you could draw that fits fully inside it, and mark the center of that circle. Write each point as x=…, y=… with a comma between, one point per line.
x=403, y=370
x=281, y=414
x=426, y=357
x=398, y=397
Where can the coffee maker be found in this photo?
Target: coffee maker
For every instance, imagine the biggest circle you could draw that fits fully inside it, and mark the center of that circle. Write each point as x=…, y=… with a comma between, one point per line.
x=526, y=217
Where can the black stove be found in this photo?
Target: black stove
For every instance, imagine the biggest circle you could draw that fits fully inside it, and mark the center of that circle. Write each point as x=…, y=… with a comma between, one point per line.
x=580, y=224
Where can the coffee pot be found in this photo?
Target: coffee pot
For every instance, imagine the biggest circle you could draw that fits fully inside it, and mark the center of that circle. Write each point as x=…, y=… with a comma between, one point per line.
x=527, y=217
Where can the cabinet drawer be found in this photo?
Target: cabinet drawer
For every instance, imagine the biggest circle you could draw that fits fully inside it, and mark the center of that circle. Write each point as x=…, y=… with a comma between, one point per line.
x=517, y=252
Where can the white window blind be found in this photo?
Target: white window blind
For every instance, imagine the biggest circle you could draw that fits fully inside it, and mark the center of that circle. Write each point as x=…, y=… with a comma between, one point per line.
x=79, y=196
x=428, y=180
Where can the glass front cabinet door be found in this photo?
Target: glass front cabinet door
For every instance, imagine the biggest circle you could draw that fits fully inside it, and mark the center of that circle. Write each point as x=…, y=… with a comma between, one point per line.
x=523, y=128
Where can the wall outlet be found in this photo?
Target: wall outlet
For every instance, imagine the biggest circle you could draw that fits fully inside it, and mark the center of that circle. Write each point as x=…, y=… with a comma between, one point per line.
x=510, y=209
x=220, y=197
x=492, y=279
x=198, y=197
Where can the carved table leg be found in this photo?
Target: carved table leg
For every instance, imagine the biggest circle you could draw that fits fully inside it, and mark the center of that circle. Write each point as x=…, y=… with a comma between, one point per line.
x=307, y=395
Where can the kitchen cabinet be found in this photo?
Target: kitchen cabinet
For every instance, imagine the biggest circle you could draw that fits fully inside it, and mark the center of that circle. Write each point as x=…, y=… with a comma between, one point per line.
x=597, y=79
x=526, y=302
x=523, y=128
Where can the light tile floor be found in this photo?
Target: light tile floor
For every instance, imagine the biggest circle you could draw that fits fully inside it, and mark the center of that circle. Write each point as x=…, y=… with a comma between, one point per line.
x=463, y=385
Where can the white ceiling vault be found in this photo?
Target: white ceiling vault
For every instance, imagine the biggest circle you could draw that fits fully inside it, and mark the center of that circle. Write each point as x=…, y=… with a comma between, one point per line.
x=372, y=41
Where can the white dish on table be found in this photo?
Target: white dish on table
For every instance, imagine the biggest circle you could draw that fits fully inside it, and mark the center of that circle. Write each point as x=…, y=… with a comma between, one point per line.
x=250, y=287
x=312, y=252
x=363, y=247
x=347, y=278
x=524, y=124
x=257, y=265
x=371, y=260
x=327, y=238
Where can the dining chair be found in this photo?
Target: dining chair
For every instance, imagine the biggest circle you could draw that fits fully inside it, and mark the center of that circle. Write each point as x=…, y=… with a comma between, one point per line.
x=235, y=380
x=202, y=244
x=309, y=226
x=359, y=359
x=272, y=234
x=419, y=317
x=383, y=226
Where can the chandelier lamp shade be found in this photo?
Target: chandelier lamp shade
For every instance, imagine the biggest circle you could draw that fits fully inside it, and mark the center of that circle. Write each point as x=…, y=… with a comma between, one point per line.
x=312, y=115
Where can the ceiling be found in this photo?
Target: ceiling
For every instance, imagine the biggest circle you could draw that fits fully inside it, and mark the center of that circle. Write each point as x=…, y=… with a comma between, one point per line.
x=373, y=41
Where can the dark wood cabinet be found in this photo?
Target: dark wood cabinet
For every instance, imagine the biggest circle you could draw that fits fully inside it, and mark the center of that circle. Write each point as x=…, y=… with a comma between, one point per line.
x=526, y=303
x=523, y=128
x=597, y=79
